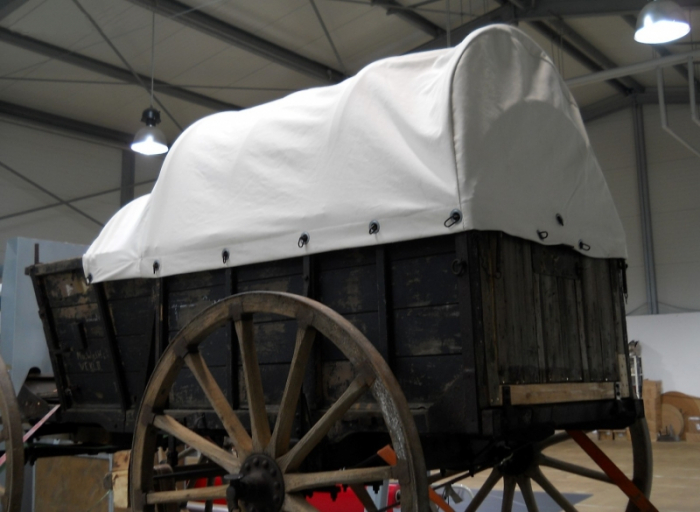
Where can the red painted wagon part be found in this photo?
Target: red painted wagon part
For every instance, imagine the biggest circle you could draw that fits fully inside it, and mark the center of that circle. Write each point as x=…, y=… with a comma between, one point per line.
x=608, y=466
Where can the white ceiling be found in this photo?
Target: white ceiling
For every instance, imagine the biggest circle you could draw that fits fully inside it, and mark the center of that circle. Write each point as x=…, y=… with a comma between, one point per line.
x=201, y=63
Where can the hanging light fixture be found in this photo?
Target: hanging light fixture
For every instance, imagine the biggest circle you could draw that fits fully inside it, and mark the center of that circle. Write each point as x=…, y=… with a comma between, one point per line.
x=660, y=21
x=150, y=140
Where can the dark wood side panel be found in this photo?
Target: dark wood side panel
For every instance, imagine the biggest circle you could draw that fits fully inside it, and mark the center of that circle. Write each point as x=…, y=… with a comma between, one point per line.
x=551, y=314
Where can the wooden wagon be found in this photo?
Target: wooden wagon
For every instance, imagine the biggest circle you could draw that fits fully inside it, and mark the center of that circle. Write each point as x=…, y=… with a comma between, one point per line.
x=463, y=349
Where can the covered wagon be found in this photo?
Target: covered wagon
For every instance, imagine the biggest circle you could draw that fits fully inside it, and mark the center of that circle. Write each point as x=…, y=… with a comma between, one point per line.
x=423, y=261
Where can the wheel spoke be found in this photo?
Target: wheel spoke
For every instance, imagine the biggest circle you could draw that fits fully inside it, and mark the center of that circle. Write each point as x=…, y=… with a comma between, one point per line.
x=364, y=497
x=304, y=481
x=296, y=455
x=198, y=494
x=279, y=444
x=232, y=424
x=508, y=493
x=552, y=440
x=217, y=455
x=529, y=496
x=297, y=504
x=480, y=496
x=253, y=383
x=537, y=475
x=575, y=469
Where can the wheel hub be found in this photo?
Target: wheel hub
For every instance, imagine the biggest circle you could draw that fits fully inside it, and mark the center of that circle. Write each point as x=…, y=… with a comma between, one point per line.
x=518, y=462
x=259, y=485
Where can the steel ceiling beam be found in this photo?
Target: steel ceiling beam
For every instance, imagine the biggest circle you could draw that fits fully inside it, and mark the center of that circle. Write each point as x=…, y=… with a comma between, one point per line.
x=103, y=68
x=548, y=9
x=584, y=44
x=79, y=128
x=235, y=36
x=7, y=7
x=509, y=13
x=394, y=8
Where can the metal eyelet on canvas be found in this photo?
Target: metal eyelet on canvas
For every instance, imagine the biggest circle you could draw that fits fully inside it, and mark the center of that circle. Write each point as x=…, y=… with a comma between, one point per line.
x=542, y=234
x=224, y=255
x=454, y=218
x=373, y=227
x=303, y=239
x=156, y=266
x=583, y=246
x=560, y=219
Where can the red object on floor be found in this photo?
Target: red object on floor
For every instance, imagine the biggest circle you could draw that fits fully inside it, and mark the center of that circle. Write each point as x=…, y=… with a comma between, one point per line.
x=202, y=482
x=346, y=501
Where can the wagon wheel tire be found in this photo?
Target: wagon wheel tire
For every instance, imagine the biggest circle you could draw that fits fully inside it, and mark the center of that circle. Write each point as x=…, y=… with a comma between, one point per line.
x=271, y=447
x=11, y=435
x=521, y=475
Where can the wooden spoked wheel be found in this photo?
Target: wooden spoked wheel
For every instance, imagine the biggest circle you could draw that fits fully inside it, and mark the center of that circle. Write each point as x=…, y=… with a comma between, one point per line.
x=525, y=467
x=11, y=435
x=263, y=464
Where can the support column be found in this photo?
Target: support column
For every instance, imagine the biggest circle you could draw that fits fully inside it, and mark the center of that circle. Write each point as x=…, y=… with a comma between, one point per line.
x=128, y=176
x=645, y=208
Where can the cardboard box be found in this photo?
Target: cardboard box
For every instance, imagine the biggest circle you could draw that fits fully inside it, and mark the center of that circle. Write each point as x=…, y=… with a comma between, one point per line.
x=651, y=394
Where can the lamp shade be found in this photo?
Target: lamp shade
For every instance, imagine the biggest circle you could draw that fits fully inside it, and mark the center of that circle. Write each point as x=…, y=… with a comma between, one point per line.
x=660, y=21
x=150, y=140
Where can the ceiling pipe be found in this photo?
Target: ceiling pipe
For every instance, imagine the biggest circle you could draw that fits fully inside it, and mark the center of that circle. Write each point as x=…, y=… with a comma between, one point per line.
x=664, y=119
x=632, y=69
x=691, y=87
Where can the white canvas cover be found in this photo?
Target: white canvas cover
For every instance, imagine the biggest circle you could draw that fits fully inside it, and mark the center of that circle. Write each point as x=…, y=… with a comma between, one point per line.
x=488, y=128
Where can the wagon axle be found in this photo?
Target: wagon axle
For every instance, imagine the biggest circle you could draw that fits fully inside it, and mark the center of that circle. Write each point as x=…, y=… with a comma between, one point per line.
x=259, y=485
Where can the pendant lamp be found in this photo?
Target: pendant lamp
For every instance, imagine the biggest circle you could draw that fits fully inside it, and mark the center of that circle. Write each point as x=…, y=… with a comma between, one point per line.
x=150, y=140
x=660, y=21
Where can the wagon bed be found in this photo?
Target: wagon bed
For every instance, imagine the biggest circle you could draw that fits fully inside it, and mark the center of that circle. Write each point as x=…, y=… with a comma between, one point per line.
x=473, y=325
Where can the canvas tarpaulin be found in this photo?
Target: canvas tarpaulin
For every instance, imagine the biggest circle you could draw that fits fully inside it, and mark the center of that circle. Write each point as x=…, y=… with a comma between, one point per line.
x=487, y=128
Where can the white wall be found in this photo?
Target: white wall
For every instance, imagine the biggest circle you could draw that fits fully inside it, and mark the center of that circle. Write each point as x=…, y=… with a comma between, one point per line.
x=674, y=189
x=670, y=349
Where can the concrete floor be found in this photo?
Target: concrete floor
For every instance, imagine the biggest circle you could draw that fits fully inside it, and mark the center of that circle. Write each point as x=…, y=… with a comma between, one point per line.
x=676, y=485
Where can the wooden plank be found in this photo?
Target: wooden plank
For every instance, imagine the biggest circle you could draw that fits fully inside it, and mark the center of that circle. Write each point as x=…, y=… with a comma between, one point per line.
x=530, y=394
x=384, y=342
x=347, y=258
x=68, y=289
x=426, y=378
x=349, y=290
x=289, y=284
x=569, y=356
x=196, y=280
x=607, y=325
x=128, y=288
x=424, y=281
x=581, y=326
x=508, y=311
x=549, y=295
x=269, y=270
x=539, y=325
x=489, y=395
x=528, y=317
x=469, y=330
x=429, y=331
x=620, y=327
x=592, y=319
x=183, y=306
x=110, y=334
x=422, y=247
